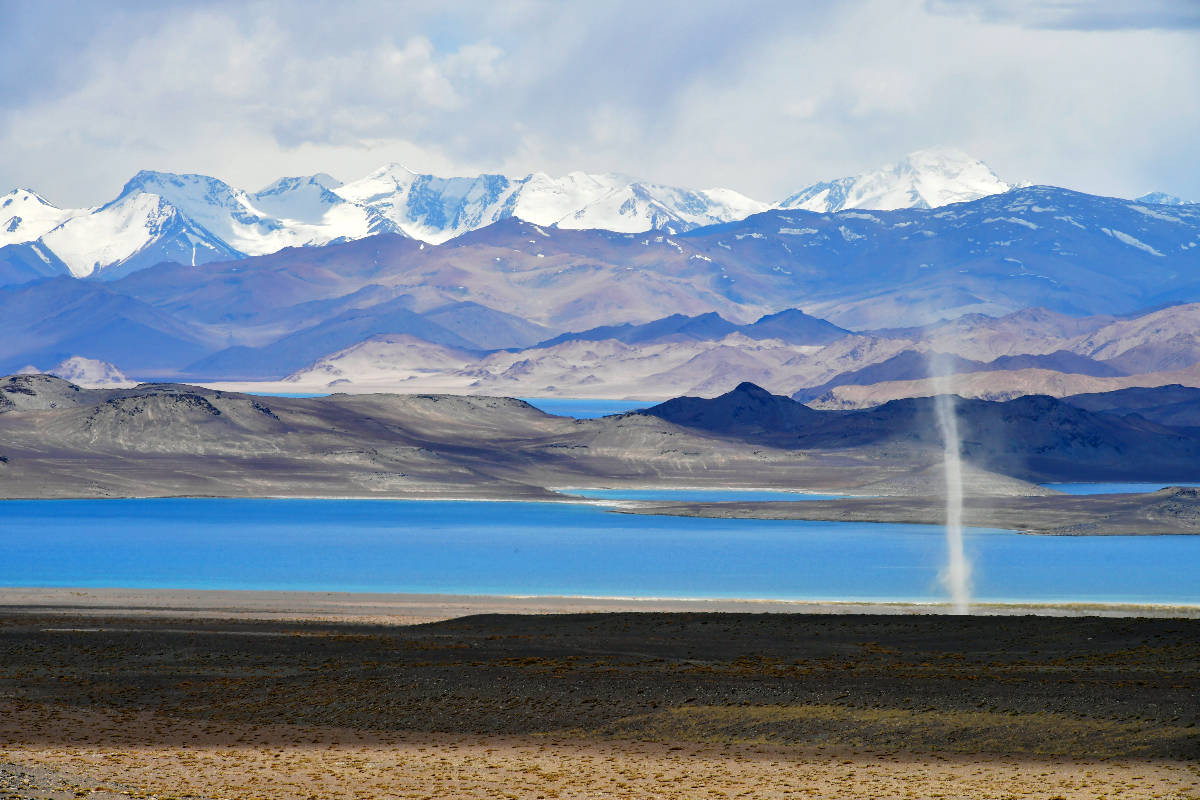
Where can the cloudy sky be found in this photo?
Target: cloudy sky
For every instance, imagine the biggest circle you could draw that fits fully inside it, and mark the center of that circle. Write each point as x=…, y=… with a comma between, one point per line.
x=763, y=97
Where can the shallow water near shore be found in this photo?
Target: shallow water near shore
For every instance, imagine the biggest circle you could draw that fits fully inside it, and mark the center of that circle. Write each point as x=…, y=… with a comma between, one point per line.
x=524, y=548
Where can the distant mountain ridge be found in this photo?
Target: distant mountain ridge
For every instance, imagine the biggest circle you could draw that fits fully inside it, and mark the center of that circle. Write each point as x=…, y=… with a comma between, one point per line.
x=1071, y=254
x=791, y=325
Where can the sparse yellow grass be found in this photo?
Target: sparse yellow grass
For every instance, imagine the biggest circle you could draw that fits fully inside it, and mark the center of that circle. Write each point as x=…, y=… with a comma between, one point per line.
x=145, y=754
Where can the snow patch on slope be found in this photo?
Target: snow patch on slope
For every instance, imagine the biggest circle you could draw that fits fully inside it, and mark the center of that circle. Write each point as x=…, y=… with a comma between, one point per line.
x=1125, y=238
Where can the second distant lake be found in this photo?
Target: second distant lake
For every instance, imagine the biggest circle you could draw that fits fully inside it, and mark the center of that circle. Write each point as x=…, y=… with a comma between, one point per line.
x=696, y=495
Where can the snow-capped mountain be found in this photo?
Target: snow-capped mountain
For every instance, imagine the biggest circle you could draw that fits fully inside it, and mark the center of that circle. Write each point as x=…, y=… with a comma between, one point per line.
x=925, y=179
x=306, y=212
x=193, y=219
x=138, y=229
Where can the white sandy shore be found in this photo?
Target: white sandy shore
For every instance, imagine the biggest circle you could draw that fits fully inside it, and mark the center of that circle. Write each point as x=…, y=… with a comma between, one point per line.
x=408, y=609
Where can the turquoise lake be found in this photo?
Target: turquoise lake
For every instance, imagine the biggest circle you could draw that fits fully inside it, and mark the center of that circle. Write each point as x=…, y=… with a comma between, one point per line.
x=696, y=495
x=586, y=409
x=557, y=549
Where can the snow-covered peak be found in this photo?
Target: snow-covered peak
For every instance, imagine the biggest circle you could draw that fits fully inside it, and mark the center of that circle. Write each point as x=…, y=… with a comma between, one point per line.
x=236, y=219
x=387, y=180
x=112, y=233
x=304, y=199
x=616, y=202
x=22, y=195
x=1160, y=198
x=25, y=215
x=196, y=218
x=925, y=179
x=395, y=169
x=545, y=200
x=737, y=204
x=321, y=181
x=183, y=189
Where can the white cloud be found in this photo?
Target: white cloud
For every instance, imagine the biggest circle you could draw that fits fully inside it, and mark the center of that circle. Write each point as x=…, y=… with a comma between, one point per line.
x=698, y=94
x=1085, y=15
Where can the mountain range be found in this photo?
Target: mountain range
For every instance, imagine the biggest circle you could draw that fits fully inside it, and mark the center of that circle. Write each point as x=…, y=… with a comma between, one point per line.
x=513, y=285
x=195, y=219
x=1033, y=289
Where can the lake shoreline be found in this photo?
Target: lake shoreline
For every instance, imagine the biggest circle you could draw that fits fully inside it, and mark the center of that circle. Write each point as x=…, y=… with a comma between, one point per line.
x=416, y=608
x=1169, y=511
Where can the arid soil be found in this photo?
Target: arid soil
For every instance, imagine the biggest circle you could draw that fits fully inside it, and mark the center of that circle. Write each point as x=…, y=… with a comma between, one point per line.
x=600, y=705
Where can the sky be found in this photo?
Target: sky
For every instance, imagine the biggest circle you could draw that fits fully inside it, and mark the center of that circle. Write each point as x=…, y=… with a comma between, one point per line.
x=761, y=97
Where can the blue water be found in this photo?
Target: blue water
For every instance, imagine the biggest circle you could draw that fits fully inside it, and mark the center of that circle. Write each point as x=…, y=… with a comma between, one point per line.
x=1111, y=488
x=585, y=409
x=556, y=549
x=696, y=495
x=289, y=394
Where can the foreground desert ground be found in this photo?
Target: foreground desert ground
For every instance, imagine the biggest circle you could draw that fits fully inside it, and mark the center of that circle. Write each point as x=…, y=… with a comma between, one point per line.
x=207, y=696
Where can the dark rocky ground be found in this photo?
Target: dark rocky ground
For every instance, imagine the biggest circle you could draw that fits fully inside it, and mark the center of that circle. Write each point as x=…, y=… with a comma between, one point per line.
x=1017, y=686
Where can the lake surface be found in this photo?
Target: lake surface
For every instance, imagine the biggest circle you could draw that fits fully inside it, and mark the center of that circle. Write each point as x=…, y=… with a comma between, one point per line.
x=586, y=409
x=1111, y=488
x=556, y=549
x=696, y=495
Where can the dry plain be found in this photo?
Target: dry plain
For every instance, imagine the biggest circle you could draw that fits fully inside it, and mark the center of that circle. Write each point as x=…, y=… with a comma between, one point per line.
x=233, y=697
